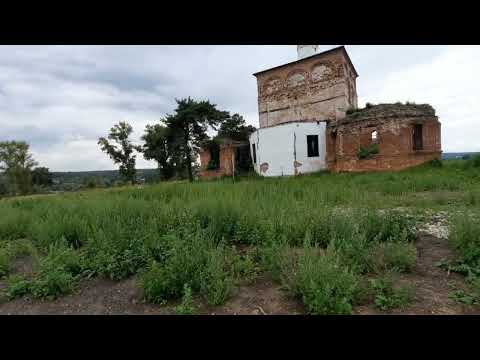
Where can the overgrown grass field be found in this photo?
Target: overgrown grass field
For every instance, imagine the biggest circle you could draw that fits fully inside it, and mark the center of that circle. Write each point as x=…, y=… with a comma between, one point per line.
x=180, y=238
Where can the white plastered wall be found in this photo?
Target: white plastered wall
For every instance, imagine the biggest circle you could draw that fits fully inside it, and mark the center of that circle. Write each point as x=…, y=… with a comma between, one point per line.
x=278, y=147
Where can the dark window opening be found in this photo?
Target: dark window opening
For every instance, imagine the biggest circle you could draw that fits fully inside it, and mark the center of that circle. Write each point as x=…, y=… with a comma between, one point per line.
x=312, y=145
x=214, y=149
x=243, y=159
x=254, y=154
x=417, y=137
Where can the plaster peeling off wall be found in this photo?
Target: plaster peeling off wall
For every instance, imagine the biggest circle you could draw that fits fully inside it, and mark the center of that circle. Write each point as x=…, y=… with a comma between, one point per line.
x=282, y=150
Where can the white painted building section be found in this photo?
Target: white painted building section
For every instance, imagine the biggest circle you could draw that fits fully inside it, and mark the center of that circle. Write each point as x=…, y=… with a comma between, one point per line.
x=279, y=149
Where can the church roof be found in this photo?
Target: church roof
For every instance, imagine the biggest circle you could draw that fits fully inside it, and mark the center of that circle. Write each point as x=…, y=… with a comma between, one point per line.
x=339, y=48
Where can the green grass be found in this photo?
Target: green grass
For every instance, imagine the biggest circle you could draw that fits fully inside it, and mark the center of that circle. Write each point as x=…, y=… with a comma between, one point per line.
x=388, y=296
x=186, y=307
x=12, y=250
x=173, y=234
x=322, y=283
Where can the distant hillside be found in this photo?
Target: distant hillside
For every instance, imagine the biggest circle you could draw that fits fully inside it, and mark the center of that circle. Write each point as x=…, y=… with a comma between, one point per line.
x=459, y=155
x=73, y=180
x=110, y=174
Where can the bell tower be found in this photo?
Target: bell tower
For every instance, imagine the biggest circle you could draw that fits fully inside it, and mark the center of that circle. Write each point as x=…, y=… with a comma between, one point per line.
x=304, y=51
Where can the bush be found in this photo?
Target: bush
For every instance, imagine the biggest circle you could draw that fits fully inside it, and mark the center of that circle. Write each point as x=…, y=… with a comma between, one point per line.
x=436, y=163
x=195, y=261
x=387, y=296
x=397, y=256
x=17, y=286
x=12, y=250
x=366, y=152
x=351, y=110
x=186, y=307
x=274, y=256
x=52, y=284
x=215, y=280
x=116, y=255
x=244, y=267
x=58, y=272
x=324, y=285
x=4, y=263
x=355, y=253
x=158, y=285
x=165, y=281
x=464, y=236
x=387, y=226
x=474, y=161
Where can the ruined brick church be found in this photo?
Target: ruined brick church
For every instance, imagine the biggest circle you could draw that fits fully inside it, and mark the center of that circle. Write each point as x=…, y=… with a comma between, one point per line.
x=310, y=121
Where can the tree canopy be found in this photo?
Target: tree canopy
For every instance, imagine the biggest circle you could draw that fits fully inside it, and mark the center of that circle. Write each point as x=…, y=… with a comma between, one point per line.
x=234, y=127
x=121, y=150
x=17, y=163
x=189, y=126
x=41, y=176
x=160, y=146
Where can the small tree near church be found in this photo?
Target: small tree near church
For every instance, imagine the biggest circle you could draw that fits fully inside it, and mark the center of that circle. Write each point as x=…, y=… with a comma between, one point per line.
x=121, y=150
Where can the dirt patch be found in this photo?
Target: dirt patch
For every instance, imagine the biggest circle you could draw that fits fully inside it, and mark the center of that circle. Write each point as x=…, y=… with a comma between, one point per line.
x=105, y=297
x=433, y=286
x=93, y=297
x=263, y=297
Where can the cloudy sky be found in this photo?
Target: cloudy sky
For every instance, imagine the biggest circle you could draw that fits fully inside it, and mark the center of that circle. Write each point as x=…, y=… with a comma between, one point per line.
x=60, y=99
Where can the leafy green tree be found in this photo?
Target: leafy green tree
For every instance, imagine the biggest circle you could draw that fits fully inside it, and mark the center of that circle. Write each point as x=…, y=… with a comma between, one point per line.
x=17, y=163
x=3, y=186
x=121, y=150
x=159, y=147
x=189, y=127
x=42, y=176
x=235, y=128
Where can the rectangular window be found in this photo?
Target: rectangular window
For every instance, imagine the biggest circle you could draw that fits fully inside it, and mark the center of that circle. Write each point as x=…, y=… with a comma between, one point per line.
x=254, y=154
x=417, y=137
x=312, y=145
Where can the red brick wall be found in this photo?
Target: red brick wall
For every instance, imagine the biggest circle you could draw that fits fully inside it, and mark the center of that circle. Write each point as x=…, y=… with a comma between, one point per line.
x=205, y=158
x=227, y=152
x=317, y=88
x=395, y=141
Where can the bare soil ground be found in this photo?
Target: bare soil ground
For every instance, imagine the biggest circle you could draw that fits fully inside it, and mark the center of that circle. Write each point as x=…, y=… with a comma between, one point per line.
x=433, y=287
x=105, y=297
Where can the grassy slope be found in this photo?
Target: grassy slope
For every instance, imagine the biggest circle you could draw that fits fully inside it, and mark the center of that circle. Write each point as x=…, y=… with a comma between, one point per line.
x=180, y=233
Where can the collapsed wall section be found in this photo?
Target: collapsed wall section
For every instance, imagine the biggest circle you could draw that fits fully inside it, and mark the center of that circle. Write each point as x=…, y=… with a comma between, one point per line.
x=384, y=137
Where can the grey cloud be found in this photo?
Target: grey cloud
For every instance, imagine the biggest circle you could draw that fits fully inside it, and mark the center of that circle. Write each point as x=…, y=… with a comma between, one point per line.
x=62, y=98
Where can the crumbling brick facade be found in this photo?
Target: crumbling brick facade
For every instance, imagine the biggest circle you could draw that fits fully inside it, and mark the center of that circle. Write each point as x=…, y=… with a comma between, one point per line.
x=321, y=89
x=227, y=161
x=406, y=135
x=317, y=88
